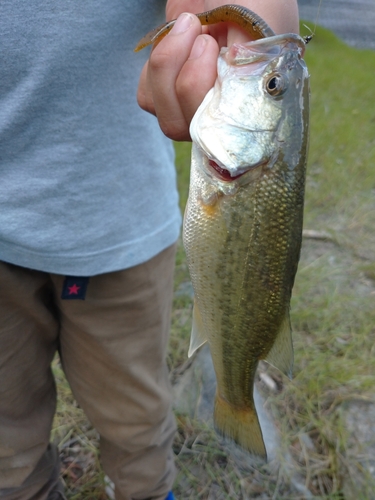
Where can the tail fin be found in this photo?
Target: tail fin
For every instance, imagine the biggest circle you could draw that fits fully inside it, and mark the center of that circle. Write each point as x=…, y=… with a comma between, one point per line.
x=241, y=425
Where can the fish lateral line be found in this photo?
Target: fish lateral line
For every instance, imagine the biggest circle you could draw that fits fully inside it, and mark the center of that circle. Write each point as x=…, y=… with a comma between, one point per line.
x=245, y=18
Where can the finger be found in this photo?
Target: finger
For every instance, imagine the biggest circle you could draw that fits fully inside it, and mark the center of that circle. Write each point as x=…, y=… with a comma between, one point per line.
x=197, y=76
x=165, y=64
x=144, y=92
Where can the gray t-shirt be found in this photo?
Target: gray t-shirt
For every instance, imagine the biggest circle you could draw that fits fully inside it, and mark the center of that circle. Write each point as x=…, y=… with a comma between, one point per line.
x=87, y=180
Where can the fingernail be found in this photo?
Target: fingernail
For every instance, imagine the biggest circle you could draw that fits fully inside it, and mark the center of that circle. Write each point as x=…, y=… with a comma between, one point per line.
x=183, y=23
x=198, y=47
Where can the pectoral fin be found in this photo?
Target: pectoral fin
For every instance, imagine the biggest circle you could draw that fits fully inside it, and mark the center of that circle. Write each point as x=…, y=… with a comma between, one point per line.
x=281, y=353
x=198, y=335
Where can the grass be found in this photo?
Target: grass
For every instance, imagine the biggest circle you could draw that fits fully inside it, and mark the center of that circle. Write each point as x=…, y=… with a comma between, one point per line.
x=341, y=182
x=78, y=444
x=333, y=317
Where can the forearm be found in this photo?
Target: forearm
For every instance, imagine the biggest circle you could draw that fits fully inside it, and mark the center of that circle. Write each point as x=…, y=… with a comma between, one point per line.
x=281, y=15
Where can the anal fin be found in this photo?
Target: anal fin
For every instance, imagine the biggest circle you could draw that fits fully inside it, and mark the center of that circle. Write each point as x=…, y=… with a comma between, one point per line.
x=281, y=353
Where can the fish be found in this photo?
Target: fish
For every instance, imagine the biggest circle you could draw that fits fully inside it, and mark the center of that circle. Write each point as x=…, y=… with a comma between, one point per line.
x=243, y=221
x=242, y=227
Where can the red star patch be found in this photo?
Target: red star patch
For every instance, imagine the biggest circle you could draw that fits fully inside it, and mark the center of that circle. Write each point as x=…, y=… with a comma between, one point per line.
x=73, y=290
x=74, y=287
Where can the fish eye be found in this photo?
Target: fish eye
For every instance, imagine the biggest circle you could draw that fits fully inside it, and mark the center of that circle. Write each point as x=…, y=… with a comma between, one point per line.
x=276, y=85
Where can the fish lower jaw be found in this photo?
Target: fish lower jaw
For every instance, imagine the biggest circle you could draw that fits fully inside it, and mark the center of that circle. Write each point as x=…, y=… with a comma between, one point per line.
x=228, y=176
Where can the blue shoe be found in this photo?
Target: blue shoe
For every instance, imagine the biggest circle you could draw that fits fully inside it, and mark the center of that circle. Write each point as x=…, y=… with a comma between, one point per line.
x=170, y=496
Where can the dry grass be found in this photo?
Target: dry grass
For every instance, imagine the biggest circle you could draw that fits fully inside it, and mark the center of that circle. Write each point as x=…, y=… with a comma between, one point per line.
x=78, y=444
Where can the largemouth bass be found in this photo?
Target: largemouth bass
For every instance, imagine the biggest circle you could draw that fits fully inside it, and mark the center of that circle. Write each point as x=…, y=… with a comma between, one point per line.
x=243, y=221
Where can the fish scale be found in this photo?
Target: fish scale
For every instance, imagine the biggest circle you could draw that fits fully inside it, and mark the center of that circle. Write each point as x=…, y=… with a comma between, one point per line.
x=223, y=256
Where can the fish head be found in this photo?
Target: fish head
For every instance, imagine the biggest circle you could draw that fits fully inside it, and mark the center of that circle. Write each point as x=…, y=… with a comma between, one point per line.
x=257, y=109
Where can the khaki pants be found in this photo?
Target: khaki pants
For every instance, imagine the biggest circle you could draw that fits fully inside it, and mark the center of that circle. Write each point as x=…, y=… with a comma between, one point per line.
x=113, y=349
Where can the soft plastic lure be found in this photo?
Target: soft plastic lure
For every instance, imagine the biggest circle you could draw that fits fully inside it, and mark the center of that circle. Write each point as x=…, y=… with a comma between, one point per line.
x=237, y=14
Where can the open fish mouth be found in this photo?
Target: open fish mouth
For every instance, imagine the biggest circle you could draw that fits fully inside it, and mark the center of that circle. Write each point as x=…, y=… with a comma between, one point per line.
x=225, y=174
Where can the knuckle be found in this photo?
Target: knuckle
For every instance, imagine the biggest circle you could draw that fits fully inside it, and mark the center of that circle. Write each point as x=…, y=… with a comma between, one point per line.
x=145, y=103
x=185, y=85
x=177, y=130
x=159, y=60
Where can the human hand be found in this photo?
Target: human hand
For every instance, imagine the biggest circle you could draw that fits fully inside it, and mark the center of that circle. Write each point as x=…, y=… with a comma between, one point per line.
x=182, y=67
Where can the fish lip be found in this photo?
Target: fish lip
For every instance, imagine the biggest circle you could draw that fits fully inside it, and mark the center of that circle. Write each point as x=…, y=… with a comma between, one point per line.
x=224, y=174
